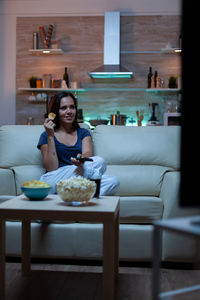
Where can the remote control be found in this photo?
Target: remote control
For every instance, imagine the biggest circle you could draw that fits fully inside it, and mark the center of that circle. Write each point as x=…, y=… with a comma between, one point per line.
x=82, y=159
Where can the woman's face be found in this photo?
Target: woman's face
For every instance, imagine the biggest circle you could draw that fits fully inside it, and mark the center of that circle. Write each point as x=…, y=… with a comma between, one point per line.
x=67, y=110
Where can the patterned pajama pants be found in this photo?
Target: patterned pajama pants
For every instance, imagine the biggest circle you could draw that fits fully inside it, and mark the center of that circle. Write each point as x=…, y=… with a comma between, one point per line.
x=92, y=170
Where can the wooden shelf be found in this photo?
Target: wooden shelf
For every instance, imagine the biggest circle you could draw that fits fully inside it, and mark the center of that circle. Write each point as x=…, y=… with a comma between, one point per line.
x=163, y=90
x=171, y=50
x=46, y=51
x=160, y=90
x=50, y=90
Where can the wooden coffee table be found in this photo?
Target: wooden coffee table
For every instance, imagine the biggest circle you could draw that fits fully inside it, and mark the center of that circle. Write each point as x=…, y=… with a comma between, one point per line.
x=104, y=210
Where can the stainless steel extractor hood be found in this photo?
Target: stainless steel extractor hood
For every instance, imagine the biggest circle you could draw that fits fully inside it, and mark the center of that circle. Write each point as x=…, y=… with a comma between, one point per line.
x=111, y=67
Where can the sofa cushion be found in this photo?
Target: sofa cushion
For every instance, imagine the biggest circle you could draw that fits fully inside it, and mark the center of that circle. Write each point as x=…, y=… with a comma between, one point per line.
x=144, y=180
x=140, y=209
x=19, y=145
x=7, y=181
x=149, y=145
x=26, y=173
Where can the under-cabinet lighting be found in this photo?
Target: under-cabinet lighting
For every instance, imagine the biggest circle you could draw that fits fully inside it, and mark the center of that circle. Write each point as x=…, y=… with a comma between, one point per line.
x=46, y=51
x=110, y=76
x=178, y=50
x=171, y=50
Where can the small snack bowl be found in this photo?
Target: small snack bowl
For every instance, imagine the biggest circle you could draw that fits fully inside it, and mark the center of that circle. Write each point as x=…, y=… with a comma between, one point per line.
x=35, y=189
x=76, y=190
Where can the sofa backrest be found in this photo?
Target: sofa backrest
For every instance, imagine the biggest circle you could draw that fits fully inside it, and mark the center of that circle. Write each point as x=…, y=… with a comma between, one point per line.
x=18, y=145
x=151, y=145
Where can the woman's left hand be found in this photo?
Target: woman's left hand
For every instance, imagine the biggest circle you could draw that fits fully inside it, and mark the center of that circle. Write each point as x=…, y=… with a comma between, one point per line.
x=76, y=160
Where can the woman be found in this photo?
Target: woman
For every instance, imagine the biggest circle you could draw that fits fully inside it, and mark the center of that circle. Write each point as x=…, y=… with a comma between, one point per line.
x=63, y=143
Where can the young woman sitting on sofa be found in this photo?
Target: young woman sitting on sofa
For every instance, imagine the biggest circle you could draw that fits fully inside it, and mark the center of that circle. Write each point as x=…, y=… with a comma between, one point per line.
x=63, y=143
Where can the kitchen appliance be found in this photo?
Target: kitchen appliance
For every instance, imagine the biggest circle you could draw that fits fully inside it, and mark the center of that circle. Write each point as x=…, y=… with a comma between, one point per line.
x=111, y=67
x=97, y=122
x=172, y=118
x=153, y=120
x=152, y=107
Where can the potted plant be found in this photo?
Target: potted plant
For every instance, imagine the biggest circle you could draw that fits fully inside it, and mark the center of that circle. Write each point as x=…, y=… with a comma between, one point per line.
x=32, y=81
x=172, y=82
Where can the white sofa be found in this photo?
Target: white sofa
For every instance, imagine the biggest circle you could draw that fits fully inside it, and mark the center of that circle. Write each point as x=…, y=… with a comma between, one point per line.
x=147, y=162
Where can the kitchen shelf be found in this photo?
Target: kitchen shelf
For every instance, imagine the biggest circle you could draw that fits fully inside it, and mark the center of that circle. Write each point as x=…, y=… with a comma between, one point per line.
x=115, y=89
x=171, y=50
x=51, y=51
x=46, y=51
x=50, y=90
x=161, y=90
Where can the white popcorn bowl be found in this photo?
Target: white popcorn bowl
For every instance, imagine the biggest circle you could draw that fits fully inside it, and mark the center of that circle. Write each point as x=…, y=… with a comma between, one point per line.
x=76, y=190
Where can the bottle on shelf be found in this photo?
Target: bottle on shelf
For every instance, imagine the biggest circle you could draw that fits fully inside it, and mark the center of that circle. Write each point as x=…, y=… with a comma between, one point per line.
x=158, y=82
x=66, y=77
x=155, y=78
x=153, y=82
x=35, y=40
x=149, y=78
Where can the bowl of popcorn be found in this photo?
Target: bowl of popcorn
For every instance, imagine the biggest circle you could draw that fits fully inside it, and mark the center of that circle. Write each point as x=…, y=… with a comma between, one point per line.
x=76, y=190
x=35, y=189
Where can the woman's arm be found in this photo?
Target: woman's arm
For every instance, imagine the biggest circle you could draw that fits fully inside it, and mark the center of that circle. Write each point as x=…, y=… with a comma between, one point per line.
x=50, y=159
x=87, y=150
x=87, y=147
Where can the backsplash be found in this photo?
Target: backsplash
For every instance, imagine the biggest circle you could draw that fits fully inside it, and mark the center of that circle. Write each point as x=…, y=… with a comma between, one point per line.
x=81, y=39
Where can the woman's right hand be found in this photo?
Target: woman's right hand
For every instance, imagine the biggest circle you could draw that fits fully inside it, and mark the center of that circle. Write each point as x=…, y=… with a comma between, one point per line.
x=49, y=127
x=48, y=150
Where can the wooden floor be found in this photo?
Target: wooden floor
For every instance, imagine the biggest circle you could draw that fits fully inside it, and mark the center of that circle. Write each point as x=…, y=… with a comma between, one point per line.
x=75, y=282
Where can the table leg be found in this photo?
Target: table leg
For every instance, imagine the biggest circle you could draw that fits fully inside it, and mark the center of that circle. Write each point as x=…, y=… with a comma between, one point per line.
x=157, y=240
x=26, y=247
x=2, y=259
x=110, y=255
x=116, y=247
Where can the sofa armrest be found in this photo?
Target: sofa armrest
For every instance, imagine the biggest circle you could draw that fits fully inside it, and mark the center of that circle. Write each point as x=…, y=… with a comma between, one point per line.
x=7, y=182
x=174, y=244
x=170, y=194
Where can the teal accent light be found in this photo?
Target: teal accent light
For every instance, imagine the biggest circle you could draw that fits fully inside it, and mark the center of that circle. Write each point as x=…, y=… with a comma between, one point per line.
x=111, y=71
x=110, y=76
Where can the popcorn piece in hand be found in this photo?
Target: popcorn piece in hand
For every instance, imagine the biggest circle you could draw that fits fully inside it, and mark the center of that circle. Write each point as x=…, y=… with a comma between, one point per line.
x=51, y=116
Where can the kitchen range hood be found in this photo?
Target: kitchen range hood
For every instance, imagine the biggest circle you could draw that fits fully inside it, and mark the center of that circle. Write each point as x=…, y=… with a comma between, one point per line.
x=111, y=67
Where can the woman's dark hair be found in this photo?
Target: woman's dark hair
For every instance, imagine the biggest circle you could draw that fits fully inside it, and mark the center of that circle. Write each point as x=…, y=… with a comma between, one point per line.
x=54, y=107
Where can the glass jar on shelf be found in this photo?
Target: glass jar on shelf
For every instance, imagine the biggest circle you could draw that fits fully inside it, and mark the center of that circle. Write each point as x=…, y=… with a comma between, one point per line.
x=169, y=106
x=39, y=83
x=47, y=80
